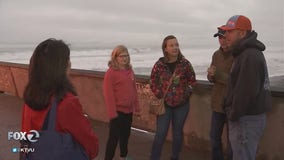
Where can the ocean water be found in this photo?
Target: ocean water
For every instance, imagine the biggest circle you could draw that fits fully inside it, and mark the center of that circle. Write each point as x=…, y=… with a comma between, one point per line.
x=142, y=59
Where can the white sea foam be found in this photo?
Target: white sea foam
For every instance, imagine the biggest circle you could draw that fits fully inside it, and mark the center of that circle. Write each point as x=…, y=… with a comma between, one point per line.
x=142, y=59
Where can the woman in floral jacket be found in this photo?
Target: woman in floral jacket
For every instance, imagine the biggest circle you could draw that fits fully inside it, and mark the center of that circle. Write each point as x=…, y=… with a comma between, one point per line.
x=172, y=64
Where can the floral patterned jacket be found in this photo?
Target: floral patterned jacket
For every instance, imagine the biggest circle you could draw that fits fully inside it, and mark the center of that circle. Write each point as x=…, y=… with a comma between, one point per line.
x=181, y=86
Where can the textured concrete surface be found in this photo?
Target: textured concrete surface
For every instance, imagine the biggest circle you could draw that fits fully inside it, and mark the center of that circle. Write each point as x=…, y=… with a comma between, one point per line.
x=139, y=143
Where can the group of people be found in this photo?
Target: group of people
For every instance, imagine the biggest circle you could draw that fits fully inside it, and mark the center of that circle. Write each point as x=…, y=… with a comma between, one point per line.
x=240, y=94
x=121, y=97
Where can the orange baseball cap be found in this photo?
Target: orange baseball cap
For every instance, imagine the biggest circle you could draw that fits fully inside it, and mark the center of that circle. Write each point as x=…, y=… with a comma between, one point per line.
x=237, y=22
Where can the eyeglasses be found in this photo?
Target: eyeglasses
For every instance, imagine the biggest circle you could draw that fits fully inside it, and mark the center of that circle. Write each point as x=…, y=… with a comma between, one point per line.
x=123, y=56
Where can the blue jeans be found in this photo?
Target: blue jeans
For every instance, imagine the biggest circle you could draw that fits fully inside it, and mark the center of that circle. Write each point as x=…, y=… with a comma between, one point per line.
x=218, y=121
x=177, y=116
x=244, y=135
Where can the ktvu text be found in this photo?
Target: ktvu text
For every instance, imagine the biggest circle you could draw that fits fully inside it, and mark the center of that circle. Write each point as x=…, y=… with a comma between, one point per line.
x=29, y=137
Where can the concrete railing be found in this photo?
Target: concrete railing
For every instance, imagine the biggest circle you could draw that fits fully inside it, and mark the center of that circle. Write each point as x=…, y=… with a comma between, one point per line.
x=14, y=77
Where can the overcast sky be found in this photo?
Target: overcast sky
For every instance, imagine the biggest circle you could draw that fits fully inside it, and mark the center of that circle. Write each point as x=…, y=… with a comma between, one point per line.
x=137, y=23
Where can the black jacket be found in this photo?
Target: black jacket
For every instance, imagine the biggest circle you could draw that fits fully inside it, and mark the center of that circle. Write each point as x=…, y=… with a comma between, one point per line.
x=248, y=91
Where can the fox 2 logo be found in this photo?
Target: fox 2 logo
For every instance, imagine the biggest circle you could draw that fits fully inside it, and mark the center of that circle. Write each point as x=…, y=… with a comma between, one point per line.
x=32, y=136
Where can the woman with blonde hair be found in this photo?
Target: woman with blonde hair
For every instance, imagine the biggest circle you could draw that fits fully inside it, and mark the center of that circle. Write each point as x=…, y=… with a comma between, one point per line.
x=121, y=100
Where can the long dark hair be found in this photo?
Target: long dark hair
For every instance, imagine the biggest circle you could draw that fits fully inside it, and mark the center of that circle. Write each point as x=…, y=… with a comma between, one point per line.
x=164, y=45
x=48, y=74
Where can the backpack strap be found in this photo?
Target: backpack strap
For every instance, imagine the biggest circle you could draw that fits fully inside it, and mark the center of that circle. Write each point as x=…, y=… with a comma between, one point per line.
x=50, y=119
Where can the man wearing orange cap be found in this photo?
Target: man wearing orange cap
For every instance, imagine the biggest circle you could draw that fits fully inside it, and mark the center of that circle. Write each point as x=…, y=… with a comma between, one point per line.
x=248, y=92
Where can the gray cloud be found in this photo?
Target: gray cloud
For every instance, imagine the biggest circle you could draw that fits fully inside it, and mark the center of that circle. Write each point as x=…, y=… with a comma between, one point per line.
x=132, y=22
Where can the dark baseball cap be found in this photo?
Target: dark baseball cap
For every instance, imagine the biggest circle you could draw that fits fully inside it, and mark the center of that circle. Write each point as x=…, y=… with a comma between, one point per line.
x=220, y=33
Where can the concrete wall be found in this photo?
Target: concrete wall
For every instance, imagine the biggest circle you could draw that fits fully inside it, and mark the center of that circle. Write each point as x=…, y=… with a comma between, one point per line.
x=14, y=77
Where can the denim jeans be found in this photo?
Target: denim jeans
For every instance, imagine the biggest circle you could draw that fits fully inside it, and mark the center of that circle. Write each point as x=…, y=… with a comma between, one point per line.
x=218, y=121
x=177, y=117
x=244, y=135
x=119, y=132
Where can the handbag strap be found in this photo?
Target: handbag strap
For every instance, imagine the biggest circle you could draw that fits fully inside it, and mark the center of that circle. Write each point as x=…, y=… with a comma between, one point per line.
x=171, y=79
x=50, y=120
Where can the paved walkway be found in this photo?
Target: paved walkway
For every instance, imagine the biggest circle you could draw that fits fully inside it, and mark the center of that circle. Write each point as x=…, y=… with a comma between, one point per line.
x=139, y=143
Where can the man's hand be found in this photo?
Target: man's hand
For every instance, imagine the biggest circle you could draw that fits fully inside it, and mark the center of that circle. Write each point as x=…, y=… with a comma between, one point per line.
x=211, y=72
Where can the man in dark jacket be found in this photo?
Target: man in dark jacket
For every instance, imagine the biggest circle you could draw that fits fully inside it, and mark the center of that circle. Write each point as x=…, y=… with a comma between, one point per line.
x=248, y=92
